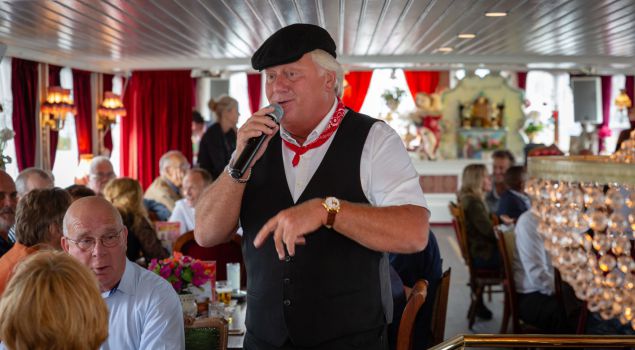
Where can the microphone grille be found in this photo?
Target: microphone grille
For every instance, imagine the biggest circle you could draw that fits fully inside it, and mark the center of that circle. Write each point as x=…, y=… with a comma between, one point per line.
x=277, y=113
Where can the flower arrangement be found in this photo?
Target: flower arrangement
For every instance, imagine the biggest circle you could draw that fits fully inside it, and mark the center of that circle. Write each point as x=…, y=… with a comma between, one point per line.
x=393, y=96
x=182, y=271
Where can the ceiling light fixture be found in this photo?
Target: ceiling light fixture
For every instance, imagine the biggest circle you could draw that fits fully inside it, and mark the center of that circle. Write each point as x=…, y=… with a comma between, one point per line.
x=445, y=49
x=467, y=36
x=495, y=14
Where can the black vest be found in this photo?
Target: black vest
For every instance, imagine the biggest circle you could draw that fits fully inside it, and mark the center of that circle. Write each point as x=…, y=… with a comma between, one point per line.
x=331, y=287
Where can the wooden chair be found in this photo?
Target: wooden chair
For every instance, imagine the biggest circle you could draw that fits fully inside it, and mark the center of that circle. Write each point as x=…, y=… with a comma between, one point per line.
x=406, y=326
x=507, y=248
x=223, y=253
x=440, y=309
x=207, y=334
x=481, y=280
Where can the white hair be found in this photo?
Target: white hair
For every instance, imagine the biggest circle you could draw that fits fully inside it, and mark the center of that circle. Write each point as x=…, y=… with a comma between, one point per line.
x=21, y=180
x=166, y=158
x=96, y=161
x=328, y=62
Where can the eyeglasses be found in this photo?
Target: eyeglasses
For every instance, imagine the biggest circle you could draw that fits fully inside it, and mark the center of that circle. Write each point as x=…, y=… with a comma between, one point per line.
x=110, y=240
x=108, y=175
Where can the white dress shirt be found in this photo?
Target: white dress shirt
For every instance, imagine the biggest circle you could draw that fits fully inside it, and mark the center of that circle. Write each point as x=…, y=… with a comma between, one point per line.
x=533, y=271
x=145, y=312
x=386, y=171
x=183, y=213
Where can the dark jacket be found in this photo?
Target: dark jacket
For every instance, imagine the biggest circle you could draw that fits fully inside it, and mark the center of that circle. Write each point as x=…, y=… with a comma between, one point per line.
x=216, y=149
x=480, y=233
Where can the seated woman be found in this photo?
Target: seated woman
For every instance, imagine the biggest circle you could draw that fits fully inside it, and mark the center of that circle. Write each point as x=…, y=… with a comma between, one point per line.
x=514, y=201
x=52, y=302
x=126, y=195
x=480, y=232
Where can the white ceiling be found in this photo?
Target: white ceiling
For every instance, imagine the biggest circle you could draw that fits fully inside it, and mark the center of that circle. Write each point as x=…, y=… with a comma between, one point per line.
x=112, y=35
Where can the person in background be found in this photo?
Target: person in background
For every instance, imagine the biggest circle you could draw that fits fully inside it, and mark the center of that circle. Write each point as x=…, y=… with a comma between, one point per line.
x=535, y=284
x=52, y=302
x=126, y=195
x=198, y=129
x=100, y=172
x=144, y=310
x=79, y=191
x=427, y=265
x=30, y=179
x=8, y=203
x=318, y=207
x=480, y=231
x=166, y=188
x=513, y=201
x=38, y=223
x=501, y=161
x=194, y=183
x=219, y=141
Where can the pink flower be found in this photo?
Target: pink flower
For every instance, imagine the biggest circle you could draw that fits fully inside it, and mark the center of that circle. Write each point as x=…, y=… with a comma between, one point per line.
x=165, y=272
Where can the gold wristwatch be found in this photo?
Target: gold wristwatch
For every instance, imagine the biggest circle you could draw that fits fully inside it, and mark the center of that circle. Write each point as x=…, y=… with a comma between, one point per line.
x=332, y=206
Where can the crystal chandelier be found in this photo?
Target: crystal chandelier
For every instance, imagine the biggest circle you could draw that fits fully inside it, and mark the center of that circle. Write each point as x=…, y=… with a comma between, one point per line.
x=110, y=108
x=586, y=211
x=57, y=105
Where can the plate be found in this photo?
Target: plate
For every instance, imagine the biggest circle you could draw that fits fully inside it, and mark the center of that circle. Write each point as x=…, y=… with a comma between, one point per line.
x=239, y=295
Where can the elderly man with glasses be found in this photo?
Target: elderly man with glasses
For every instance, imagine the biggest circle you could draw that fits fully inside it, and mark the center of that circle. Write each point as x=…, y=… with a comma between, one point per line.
x=145, y=312
x=166, y=189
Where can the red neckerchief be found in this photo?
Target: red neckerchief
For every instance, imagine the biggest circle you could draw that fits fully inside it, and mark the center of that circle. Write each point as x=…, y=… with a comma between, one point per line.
x=334, y=122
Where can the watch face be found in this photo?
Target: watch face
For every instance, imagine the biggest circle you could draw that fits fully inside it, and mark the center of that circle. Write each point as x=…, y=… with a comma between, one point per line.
x=332, y=203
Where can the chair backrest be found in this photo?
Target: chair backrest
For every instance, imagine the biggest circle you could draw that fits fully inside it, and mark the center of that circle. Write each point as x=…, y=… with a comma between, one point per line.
x=223, y=253
x=207, y=334
x=506, y=247
x=458, y=222
x=440, y=308
x=406, y=326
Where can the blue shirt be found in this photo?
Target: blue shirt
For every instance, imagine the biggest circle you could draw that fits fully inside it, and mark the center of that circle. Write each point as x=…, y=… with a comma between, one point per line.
x=145, y=312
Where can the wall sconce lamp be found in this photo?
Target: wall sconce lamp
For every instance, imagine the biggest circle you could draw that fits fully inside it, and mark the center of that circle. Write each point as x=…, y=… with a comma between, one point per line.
x=58, y=103
x=110, y=108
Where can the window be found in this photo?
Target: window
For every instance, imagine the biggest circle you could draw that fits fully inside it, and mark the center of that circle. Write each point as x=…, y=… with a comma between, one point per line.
x=375, y=106
x=6, y=98
x=66, y=156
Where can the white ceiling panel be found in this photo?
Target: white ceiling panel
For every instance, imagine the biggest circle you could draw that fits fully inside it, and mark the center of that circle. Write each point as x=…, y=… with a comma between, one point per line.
x=111, y=35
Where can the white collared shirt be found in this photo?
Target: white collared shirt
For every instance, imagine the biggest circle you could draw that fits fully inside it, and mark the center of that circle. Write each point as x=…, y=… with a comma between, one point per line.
x=386, y=171
x=533, y=271
x=145, y=312
x=183, y=213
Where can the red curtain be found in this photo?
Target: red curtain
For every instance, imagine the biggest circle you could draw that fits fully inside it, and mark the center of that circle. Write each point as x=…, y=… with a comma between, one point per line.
x=159, y=106
x=356, y=88
x=107, y=86
x=254, y=89
x=24, y=77
x=605, y=131
x=84, y=117
x=522, y=80
x=422, y=81
x=54, y=80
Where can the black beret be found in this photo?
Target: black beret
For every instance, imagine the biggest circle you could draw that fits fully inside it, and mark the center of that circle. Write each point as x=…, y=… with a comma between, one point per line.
x=290, y=43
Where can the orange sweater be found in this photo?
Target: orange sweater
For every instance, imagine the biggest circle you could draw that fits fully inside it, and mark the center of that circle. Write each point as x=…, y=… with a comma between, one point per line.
x=9, y=260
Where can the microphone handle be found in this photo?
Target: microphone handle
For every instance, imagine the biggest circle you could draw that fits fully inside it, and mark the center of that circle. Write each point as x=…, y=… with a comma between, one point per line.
x=248, y=154
x=245, y=158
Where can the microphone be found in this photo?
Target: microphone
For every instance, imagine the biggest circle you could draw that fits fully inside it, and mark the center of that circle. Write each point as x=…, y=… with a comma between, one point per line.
x=253, y=146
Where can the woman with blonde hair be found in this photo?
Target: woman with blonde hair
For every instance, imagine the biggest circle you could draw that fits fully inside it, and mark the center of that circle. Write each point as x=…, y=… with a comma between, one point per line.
x=52, y=302
x=219, y=141
x=481, y=240
x=126, y=195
